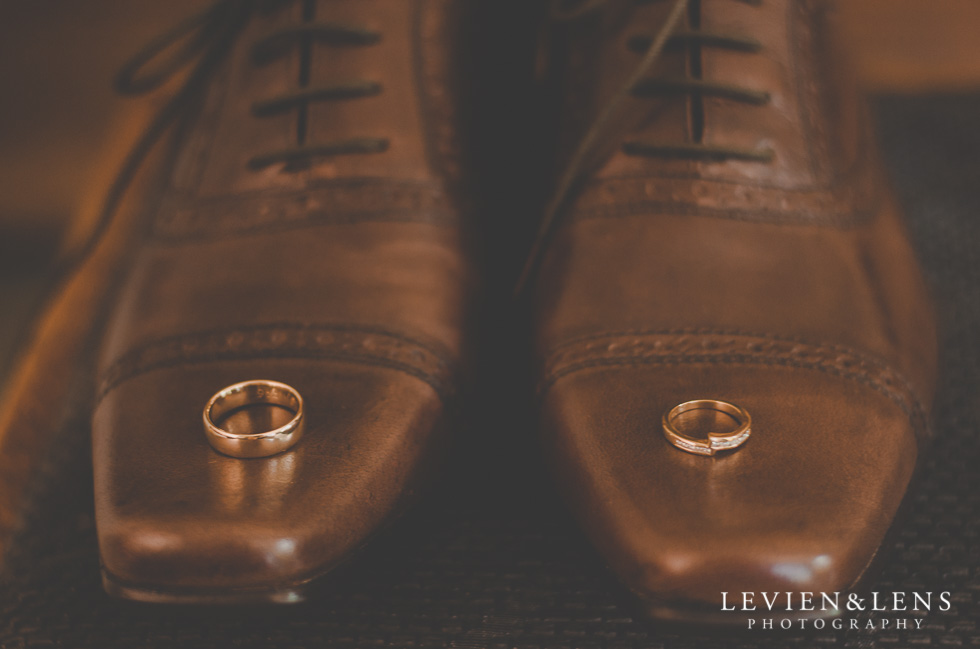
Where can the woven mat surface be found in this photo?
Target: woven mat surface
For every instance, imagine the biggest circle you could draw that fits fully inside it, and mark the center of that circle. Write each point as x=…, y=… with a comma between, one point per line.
x=491, y=558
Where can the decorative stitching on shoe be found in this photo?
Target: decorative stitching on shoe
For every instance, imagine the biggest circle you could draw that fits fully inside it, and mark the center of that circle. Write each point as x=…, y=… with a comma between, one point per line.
x=353, y=343
x=847, y=205
x=679, y=347
x=824, y=218
x=195, y=218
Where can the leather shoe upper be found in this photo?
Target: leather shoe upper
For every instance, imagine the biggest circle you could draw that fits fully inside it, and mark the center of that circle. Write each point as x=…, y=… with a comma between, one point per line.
x=731, y=238
x=311, y=234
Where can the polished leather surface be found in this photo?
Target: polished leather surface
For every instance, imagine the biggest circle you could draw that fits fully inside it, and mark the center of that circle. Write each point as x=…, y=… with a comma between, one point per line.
x=787, y=287
x=345, y=278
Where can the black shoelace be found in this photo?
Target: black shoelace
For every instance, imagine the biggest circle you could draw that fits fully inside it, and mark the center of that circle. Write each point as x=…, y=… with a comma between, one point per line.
x=638, y=86
x=202, y=37
x=304, y=35
x=195, y=47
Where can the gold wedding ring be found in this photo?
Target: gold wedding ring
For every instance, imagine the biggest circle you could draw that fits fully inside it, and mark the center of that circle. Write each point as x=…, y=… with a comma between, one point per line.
x=250, y=393
x=715, y=441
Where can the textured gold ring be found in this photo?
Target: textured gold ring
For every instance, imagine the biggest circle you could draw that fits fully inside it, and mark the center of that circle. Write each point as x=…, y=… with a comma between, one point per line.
x=716, y=441
x=250, y=393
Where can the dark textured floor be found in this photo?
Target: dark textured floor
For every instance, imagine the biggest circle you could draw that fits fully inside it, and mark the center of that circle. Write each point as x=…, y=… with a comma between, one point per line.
x=493, y=560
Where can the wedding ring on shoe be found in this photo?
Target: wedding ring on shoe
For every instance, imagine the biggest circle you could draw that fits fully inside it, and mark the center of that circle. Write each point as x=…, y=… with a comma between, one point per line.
x=716, y=441
x=251, y=393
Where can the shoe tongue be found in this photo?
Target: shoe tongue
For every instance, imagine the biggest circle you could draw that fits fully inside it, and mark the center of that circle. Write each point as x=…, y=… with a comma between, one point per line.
x=803, y=121
x=598, y=61
x=362, y=134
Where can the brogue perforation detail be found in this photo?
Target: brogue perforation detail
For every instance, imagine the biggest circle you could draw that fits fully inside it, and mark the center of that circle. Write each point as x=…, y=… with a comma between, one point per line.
x=352, y=343
x=193, y=218
x=679, y=347
x=841, y=205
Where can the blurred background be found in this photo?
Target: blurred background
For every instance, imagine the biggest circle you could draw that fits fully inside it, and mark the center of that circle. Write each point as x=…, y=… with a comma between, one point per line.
x=63, y=132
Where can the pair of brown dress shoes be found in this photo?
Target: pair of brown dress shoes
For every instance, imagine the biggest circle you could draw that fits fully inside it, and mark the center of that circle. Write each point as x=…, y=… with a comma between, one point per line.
x=719, y=231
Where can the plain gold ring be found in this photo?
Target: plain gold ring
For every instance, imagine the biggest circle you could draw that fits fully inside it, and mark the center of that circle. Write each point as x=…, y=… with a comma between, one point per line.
x=716, y=441
x=249, y=393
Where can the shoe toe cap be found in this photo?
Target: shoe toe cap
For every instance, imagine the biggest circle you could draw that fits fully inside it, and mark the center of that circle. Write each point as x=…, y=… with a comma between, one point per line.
x=172, y=513
x=802, y=506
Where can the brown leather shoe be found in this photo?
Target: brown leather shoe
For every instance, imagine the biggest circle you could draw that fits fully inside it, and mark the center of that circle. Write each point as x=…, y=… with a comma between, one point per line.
x=311, y=235
x=726, y=235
